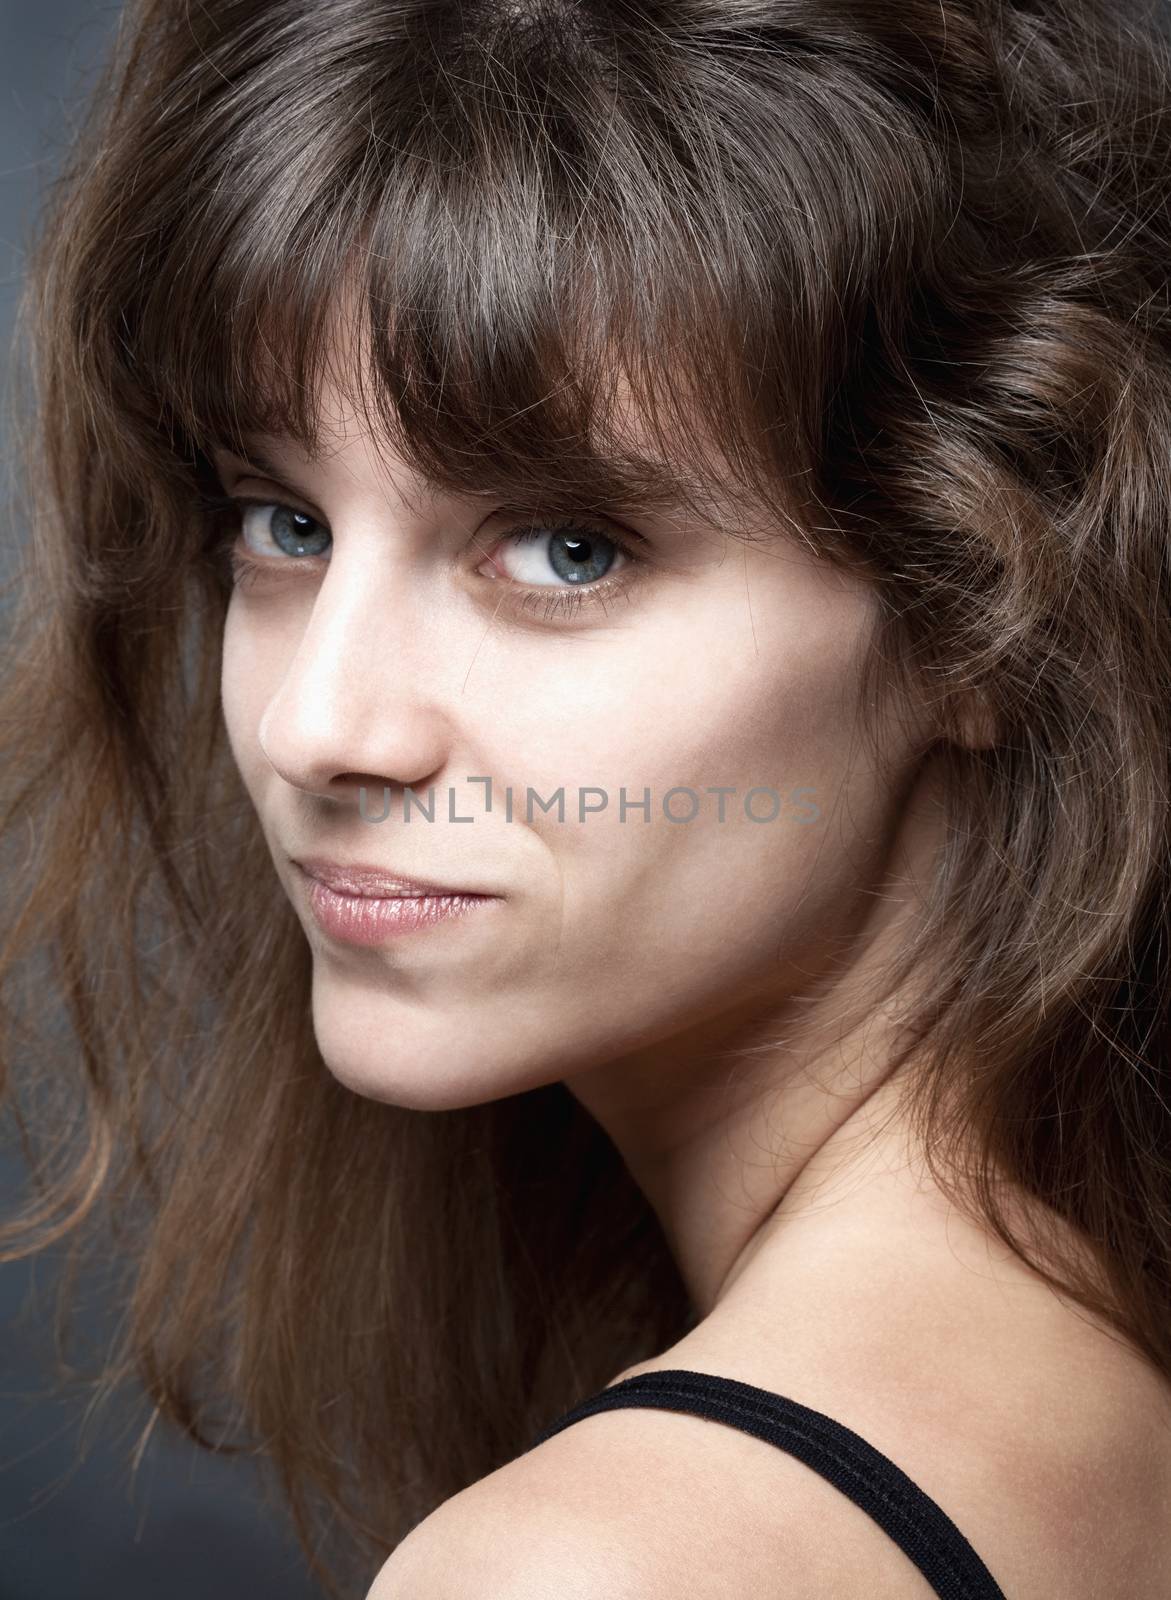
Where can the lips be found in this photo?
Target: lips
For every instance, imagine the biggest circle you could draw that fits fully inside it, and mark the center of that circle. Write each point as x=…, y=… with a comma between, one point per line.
x=373, y=882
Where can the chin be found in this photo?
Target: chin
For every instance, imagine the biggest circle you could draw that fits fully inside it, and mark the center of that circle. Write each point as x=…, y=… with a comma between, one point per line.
x=394, y=1083
x=418, y=1054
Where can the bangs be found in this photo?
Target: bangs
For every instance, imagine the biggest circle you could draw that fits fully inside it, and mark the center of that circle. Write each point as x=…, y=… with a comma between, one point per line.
x=503, y=255
x=561, y=410
x=483, y=350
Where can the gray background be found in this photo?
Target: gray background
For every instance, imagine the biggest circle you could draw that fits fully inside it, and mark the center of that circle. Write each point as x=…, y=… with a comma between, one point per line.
x=193, y=1524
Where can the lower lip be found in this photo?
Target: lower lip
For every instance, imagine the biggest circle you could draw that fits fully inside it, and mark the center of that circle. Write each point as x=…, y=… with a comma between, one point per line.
x=367, y=920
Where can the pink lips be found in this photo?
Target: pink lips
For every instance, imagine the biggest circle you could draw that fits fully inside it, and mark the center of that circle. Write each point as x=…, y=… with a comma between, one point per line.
x=375, y=881
x=367, y=905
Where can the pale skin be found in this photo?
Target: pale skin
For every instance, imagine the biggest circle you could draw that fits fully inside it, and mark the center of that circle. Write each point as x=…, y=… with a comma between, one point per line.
x=627, y=958
x=703, y=988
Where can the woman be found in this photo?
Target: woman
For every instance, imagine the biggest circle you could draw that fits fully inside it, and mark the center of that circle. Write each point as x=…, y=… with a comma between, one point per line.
x=587, y=749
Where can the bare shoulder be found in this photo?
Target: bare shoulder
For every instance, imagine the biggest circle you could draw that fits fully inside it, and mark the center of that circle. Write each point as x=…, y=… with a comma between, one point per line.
x=507, y=1537
x=636, y=1505
x=1059, y=1496
x=464, y=1550
x=1046, y=1441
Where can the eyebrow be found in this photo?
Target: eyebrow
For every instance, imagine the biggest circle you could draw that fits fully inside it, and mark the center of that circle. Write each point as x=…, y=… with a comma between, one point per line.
x=259, y=459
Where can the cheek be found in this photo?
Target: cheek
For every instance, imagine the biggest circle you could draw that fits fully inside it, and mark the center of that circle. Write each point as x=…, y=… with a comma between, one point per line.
x=746, y=675
x=703, y=907
x=248, y=672
x=693, y=718
x=674, y=922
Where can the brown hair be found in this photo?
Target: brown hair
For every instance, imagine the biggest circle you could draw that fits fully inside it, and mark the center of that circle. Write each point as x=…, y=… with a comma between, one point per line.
x=906, y=260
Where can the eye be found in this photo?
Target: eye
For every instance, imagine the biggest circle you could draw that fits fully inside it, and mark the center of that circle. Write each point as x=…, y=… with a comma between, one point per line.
x=557, y=566
x=551, y=553
x=553, y=565
x=288, y=532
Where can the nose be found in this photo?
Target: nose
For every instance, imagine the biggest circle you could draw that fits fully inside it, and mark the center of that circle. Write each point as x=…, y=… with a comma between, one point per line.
x=360, y=702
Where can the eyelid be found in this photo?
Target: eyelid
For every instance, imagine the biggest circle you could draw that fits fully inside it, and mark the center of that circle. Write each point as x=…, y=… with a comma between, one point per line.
x=524, y=597
x=523, y=512
x=533, y=513
x=286, y=496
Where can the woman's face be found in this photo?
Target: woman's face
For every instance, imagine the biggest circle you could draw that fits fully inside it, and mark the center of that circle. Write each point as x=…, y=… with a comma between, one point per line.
x=387, y=640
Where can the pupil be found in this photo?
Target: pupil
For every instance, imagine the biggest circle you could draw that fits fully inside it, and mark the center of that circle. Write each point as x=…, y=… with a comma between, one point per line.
x=578, y=559
x=291, y=530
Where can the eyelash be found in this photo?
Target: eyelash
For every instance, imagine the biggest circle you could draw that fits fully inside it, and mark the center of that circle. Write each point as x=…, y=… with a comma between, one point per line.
x=243, y=570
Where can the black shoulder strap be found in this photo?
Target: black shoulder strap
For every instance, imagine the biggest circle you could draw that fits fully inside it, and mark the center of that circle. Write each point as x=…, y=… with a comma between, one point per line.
x=918, y=1526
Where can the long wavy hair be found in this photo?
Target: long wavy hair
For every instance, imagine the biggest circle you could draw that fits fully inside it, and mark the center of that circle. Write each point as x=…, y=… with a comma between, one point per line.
x=905, y=264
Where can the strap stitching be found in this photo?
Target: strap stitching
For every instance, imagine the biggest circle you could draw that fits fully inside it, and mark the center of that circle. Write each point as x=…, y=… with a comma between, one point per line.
x=901, y=1506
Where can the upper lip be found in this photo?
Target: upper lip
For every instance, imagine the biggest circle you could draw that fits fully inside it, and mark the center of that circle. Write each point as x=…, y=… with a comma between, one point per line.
x=371, y=882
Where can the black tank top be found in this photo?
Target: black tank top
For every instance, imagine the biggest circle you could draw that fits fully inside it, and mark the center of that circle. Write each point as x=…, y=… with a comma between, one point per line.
x=872, y=1481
